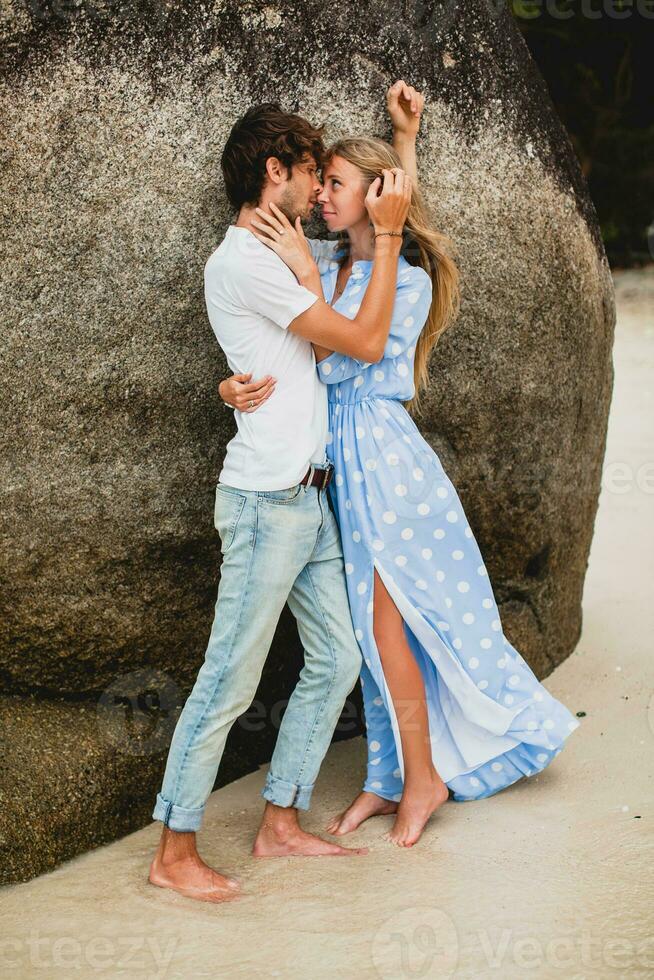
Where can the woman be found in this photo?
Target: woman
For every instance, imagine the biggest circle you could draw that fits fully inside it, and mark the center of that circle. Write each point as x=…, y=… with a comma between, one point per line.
x=451, y=707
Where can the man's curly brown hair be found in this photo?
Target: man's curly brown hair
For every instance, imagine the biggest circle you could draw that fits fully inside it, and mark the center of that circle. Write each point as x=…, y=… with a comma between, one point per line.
x=265, y=131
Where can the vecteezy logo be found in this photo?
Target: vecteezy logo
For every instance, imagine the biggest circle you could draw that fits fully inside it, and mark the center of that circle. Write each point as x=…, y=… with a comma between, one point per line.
x=416, y=942
x=137, y=714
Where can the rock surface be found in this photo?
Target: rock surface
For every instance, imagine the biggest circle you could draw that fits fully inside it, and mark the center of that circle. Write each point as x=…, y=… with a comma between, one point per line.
x=112, y=432
x=76, y=774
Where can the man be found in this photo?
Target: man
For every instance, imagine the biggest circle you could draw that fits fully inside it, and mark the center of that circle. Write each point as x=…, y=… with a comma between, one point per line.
x=280, y=541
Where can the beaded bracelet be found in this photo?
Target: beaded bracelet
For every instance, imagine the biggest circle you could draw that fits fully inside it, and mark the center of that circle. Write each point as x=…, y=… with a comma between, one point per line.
x=398, y=234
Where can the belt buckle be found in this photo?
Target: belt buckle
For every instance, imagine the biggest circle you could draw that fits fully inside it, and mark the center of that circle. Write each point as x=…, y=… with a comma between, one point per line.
x=328, y=470
x=312, y=470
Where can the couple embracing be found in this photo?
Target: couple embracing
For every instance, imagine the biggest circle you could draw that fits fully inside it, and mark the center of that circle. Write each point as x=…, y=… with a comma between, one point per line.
x=330, y=500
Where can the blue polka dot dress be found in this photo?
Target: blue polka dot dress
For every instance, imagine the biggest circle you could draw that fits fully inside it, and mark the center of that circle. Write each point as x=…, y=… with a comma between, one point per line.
x=491, y=721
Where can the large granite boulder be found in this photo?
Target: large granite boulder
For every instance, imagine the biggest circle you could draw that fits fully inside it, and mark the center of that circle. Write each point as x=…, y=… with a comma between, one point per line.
x=114, y=118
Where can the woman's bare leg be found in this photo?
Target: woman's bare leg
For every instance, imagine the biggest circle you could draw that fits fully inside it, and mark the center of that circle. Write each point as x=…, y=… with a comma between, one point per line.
x=424, y=790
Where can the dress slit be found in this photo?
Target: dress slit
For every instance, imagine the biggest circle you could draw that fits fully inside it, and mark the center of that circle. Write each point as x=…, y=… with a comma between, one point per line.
x=491, y=721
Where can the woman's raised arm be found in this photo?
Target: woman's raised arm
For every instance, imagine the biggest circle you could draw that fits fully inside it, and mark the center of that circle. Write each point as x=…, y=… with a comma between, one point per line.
x=405, y=105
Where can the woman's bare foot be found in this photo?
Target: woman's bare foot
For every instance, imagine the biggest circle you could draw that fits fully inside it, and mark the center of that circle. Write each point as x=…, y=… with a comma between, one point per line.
x=178, y=866
x=415, y=809
x=365, y=805
x=280, y=835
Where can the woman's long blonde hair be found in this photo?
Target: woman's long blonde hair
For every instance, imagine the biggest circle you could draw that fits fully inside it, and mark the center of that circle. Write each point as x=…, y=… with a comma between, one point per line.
x=423, y=246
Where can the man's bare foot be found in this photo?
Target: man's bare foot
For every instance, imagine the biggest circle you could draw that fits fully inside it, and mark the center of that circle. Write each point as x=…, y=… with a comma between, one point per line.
x=178, y=866
x=365, y=805
x=415, y=809
x=280, y=835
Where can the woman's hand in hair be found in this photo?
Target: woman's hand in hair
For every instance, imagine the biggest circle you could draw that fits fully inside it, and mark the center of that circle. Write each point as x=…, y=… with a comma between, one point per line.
x=388, y=209
x=287, y=240
x=238, y=392
x=405, y=105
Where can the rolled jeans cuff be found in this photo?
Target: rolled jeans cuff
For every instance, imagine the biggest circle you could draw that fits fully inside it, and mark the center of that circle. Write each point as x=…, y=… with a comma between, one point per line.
x=177, y=817
x=281, y=793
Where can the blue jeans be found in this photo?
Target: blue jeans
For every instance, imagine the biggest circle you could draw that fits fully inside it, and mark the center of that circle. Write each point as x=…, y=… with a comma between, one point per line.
x=277, y=546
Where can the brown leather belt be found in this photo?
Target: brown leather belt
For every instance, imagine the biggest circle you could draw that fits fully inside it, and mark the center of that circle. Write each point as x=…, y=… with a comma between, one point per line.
x=317, y=477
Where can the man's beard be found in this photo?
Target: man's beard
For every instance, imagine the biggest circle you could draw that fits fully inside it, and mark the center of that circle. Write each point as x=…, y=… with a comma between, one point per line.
x=289, y=206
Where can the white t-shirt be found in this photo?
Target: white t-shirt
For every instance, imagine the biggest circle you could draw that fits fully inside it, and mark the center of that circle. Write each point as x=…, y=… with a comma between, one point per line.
x=251, y=298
